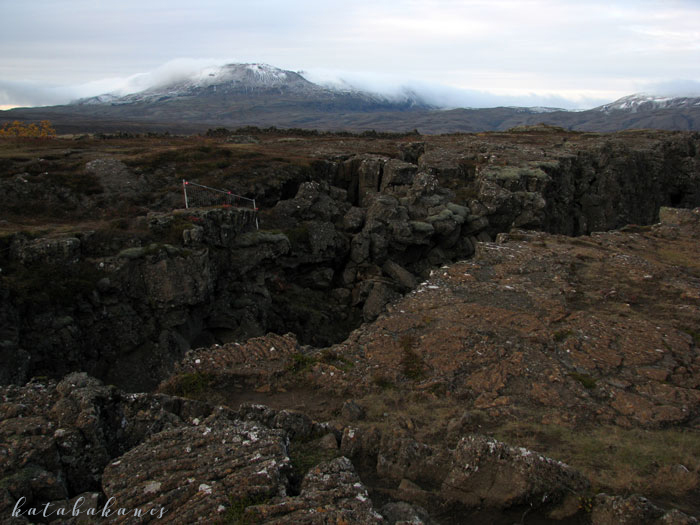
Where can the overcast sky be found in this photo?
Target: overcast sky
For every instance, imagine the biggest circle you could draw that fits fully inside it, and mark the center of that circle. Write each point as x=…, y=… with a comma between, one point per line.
x=565, y=53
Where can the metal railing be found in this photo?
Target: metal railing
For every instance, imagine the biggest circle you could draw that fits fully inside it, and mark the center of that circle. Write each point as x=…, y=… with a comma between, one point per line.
x=200, y=196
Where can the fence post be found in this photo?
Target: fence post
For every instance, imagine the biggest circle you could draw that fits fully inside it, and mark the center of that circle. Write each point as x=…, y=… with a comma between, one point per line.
x=255, y=211
x=184, y=191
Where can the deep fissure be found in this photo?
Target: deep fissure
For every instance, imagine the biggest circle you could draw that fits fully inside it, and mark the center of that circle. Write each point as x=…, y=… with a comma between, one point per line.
x=342, y=239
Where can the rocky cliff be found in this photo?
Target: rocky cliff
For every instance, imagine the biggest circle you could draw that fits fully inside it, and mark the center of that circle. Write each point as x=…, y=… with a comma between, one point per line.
x=360, y=231
x=430, y=366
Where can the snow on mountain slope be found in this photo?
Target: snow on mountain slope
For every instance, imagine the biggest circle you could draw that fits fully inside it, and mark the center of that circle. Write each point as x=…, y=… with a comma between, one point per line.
x=249, y=79
x=645, y=102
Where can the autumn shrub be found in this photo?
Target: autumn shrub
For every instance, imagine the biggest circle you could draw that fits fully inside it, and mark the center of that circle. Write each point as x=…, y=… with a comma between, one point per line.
x=18, y=129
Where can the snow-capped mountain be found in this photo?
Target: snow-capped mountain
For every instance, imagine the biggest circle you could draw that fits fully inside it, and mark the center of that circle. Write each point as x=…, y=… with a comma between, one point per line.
x=248, y=79
x=239, y=95
x=644, y=102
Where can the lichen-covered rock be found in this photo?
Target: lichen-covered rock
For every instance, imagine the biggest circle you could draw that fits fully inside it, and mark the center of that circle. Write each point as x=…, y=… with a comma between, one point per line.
x=402, y=457
x=57, y=438
x=486, y=472
x=198, y=470
x=114, y=176
x=631, y=510
x=402, y=513
x=330, y=493
x=397, y=176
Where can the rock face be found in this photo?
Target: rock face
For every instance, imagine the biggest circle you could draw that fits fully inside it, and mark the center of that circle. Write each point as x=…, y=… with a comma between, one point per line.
x=157, y=457
x=332, y=266
x=609, y=510
x=61, y=436
x=590, y=324
x=200, y=469
x=77, y=449
x=479, y=472
x=539, y=330
x=487, y=472
x=332, y=252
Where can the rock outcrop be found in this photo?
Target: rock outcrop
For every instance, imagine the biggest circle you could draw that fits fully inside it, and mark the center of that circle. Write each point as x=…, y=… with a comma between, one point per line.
x=332, y=252
x=78, y=449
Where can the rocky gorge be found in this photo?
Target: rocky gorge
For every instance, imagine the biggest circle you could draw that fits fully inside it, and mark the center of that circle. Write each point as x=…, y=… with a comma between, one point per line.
x=347, y=299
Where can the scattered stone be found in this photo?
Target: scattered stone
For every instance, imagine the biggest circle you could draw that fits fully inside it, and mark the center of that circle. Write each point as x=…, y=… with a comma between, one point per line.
x=351, y=411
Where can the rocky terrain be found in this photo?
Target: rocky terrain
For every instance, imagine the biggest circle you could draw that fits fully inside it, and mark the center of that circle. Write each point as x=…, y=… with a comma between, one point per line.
x=422, y=329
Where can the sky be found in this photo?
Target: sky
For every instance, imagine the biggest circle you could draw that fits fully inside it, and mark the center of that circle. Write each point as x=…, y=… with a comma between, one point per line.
x=574, y=54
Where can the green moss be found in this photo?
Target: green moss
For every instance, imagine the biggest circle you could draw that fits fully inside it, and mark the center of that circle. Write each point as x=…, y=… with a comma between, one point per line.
x=694, y=335
x=173, y=234
x=299, y=236
x=561, y=335
x=132, y=253
x=236, y=512
x=21, y=477
x=50, y=283
x=191, y=385
x=306, y=455
x=330, y=357
x=586, y=380
x=514, y=172
x=301, y=363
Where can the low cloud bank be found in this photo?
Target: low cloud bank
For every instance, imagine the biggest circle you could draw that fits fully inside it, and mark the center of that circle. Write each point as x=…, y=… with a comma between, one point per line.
x=433, y=93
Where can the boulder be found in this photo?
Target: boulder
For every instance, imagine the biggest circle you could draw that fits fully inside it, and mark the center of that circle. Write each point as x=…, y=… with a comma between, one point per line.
x=405, y=279
x=486, y=472
x=379, y=296
x=631, y=510
x=114, y=176
x=200, y=469
x=397, y=176
x=331, y=492
x=412, y=151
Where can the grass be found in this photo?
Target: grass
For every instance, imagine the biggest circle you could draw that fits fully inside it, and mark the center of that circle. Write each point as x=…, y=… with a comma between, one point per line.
x=306, y=455
x=382, y=381
x=192, y=385
x=331, y=357
x=623, y=461
x=179, y=224
x=301, y=363
x=412, y=365
x=236, y=512
x=678, y=257
x=466, y=193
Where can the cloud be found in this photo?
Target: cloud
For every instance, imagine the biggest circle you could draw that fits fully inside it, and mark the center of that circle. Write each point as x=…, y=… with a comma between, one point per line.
x=673, y=88
x=26, y=93
x=446, y=96
x=13, y=94
x=169, y=73
x=432, y=92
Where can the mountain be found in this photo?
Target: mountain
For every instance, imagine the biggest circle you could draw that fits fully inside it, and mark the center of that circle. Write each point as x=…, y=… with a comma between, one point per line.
x=641, y=102
x=231, y=78
x=236, y=95
x=236, y=82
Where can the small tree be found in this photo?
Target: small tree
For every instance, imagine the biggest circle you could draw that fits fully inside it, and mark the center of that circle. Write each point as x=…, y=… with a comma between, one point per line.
x=17, y=129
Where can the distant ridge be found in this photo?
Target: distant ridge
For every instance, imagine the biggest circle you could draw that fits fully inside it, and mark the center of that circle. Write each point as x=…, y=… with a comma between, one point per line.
x=642, y=102
x=255, y=94
x=251, y=80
